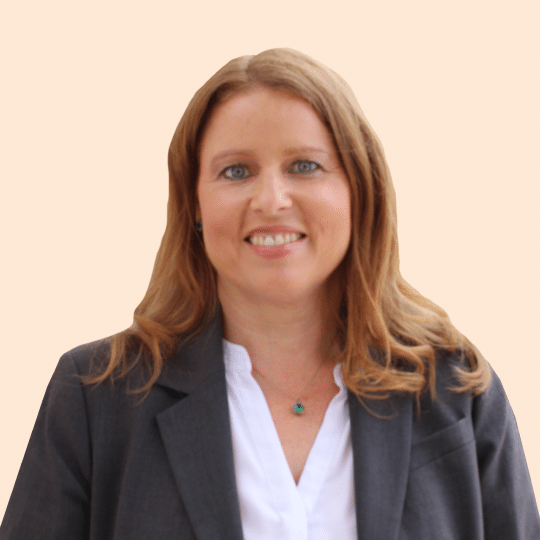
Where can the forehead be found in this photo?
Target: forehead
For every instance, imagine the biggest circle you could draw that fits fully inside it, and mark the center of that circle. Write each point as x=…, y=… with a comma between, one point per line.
x=251, y=98
x=258, y=114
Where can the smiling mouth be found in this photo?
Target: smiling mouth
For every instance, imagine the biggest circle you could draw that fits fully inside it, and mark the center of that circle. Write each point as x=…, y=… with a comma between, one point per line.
x=273, y=239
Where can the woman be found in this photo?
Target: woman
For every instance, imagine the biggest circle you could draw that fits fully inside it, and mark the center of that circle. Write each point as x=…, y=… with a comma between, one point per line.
x=281, y=379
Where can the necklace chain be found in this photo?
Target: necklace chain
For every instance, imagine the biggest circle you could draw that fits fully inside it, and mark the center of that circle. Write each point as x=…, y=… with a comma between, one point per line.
x=298, y=407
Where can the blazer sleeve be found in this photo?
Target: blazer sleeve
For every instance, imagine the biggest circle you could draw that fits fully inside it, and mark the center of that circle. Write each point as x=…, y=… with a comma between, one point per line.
x=51, y=496
x=509, y=504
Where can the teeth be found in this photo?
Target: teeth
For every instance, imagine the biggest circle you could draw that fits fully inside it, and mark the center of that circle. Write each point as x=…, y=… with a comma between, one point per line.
x=277, y=240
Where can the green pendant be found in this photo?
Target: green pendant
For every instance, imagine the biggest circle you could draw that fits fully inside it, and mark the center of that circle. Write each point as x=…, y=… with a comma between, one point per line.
x=298, y=407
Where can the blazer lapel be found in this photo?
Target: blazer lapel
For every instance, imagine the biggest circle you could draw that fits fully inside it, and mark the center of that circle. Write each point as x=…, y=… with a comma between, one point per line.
x=197, y=438
x=381, y=449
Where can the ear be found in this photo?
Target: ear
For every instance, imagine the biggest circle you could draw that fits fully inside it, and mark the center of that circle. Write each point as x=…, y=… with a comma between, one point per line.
x=198, y=218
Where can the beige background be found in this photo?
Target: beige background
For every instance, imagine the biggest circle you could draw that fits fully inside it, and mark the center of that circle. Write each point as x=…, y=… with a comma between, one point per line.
x=91, y=94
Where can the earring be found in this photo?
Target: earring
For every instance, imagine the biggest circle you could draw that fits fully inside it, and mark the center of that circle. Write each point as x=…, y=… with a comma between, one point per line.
x=198, y=225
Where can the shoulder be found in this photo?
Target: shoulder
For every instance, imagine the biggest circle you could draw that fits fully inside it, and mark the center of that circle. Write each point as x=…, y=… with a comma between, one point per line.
x=101, y=420
x=65, y=386
x=83, y=358
x=484, y=423
x=108, y=410
x=450, y=406
x=454, y=419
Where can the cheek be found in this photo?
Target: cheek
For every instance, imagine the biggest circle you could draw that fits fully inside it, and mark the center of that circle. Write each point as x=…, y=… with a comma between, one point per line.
x=337, y=196
x=336, y=207
x=220, y=223
x=212, y=208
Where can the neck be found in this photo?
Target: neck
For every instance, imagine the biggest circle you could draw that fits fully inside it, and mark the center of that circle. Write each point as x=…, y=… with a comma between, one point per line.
x=282, y=340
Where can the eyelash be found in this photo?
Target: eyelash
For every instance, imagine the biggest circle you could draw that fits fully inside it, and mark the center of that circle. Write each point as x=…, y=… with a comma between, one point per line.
x=241, y=165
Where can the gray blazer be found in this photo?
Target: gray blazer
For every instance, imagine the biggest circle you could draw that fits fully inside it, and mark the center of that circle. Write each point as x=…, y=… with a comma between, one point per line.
x=101, y=466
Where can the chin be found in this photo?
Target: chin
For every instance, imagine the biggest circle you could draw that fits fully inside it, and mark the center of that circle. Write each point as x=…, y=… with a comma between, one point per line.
x=286, y=291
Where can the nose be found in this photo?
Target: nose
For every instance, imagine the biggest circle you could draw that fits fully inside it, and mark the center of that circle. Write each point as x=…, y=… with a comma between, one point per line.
x=271, y=193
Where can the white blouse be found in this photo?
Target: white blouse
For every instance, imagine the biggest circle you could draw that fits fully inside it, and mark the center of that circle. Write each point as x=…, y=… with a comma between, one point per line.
x=322, y=505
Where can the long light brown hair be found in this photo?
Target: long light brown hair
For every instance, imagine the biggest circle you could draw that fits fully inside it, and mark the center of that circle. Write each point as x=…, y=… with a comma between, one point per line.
x=387, y=332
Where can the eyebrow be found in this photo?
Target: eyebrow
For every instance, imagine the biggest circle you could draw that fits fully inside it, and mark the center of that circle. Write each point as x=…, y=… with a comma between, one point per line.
x=237, y=152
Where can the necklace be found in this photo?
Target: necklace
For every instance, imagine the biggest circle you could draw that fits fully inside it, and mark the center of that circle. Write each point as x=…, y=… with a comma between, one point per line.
x=298, y=407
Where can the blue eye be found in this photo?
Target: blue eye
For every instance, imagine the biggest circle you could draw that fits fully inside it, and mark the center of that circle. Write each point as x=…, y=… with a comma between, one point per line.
x=241, y=172
x=305, y=166
x=235, y=172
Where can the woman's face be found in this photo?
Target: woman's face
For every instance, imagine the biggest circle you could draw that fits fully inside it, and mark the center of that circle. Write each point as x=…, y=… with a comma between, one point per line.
x=273, y=199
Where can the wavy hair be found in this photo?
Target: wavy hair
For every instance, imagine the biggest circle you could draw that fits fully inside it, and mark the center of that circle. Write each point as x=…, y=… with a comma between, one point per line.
x=388, y=333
